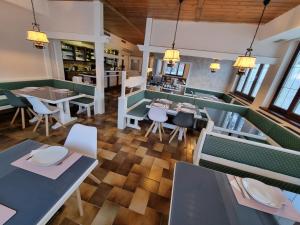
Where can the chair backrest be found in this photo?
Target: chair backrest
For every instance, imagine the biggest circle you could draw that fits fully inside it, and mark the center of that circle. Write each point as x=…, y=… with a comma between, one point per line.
x=38, y=106
x=13, y=100
x=82, y=139
x=158, y=114
x=184, y=119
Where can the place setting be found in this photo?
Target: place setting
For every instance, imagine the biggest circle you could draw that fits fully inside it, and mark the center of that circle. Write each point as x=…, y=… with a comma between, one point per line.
x=48, y=161
x=260, y=196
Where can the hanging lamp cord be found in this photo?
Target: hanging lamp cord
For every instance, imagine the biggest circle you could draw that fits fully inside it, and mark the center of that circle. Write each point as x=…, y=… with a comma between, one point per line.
x=178, y=14
x=35, y=24
x=266, y=2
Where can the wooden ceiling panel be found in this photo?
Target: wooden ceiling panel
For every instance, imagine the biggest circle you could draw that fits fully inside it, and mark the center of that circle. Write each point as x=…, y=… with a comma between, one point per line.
x=127, y=18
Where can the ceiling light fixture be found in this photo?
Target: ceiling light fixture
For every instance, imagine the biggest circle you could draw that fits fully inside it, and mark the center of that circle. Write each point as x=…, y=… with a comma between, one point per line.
x=38, y=38
x=214, y=66
x=172, y=55
x=247, y=61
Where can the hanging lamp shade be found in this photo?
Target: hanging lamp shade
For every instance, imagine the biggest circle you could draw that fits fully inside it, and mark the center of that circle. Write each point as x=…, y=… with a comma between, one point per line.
x=214, y=66
x=245, y=62
x=248, y=61
x=172, y=56
x=38, y=38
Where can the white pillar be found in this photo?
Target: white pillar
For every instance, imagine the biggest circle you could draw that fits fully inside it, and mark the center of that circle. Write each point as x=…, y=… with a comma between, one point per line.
x=99, y=55
x=146, y=52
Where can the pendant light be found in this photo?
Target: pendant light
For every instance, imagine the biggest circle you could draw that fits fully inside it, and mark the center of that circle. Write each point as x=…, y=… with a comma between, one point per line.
x=247, y=61
x=214, y=66
x=172, y=56
x=38, y=38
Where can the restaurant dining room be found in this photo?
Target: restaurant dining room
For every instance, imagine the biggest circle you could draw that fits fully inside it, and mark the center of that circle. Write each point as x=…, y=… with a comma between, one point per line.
x=146, y=112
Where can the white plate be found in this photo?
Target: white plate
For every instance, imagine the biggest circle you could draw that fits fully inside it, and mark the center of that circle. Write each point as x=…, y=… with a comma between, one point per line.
x=263, y=193
x=49, y=156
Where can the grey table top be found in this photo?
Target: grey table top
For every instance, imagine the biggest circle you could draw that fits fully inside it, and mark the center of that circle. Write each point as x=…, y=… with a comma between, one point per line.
x=204, y=197
x=232, y=121
x=48, y=94
x=30, y=194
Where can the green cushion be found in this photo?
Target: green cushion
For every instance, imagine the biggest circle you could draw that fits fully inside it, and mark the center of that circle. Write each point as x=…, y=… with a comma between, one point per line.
x=135, y=98
x=84, y=100
x=155, y=95
x=140, y=110
x=3, y=102
x=22, y=84
x=240, y=173
x=281, y=135
x=84, y=89
x=222, y=106
x=63, y=84
x=181, y=98
x=257, y=156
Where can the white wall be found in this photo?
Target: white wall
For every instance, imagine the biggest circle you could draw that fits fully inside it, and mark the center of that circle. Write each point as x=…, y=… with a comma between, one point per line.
x=201, y=77
x=19, y=60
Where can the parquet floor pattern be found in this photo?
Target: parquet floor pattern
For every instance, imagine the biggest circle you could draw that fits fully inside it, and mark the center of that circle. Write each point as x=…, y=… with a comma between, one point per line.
x=136, y=172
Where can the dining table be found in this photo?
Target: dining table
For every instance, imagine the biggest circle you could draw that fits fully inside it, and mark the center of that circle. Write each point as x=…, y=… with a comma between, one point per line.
x=234, y=124
x=172, y=108
x=56, y=96
x=33, y=197
x=201, y=196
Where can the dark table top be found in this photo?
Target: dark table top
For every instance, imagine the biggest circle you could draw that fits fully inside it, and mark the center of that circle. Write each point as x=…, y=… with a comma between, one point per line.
x=232, y=121
x=204, y=197
x=30, y=194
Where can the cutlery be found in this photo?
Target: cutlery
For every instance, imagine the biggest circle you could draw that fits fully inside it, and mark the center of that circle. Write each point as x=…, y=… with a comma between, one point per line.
x=240, y=189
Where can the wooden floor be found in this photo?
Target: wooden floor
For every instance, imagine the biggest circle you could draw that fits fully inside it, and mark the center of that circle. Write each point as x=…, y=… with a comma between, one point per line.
x=136, y=172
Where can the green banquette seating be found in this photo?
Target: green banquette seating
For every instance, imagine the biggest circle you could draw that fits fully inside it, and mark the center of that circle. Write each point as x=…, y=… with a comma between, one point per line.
x=273, y=165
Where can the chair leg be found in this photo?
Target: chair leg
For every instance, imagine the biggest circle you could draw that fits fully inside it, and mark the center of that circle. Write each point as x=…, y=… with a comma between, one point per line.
x=79, y=202
x=174, y=134
x=173, y=131
x=57, y=120
x=28, y=113
x=15, y=116
x=47, y=125
x=23, y=118
x=38, y=123
x=184, y=135
x=95, y=179
x=162, y=128
x=88, y=111
x=30, y=110
x=159, y=129
x=150, y=128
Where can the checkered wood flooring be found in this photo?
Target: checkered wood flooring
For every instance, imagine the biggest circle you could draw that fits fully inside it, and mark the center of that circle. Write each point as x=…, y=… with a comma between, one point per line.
x=136, y=172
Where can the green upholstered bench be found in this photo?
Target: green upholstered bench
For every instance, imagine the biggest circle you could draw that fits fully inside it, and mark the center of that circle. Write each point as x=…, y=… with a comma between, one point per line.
x=136, y=109
x=274, y=165
x=281, y=135
x=84, y=103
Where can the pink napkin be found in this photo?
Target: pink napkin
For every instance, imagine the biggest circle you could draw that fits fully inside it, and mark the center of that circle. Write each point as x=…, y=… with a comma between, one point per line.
x=287, y=211
x=52, y=172
x=5, y=214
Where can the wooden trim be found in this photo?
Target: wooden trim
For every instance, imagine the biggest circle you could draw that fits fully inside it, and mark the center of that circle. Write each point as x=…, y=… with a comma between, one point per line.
x=287, y=115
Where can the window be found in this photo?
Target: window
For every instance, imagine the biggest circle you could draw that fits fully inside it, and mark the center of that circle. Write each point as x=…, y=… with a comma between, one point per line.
x=286, y=101
x=177, y=69
x=249, y=84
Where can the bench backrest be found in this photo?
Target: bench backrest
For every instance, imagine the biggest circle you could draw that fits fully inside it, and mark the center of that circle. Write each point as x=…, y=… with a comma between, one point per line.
x=281, y=135
x=135, y=97
x=189, y=90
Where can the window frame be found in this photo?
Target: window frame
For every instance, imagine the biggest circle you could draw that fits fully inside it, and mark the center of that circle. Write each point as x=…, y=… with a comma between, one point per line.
x=177, y=68
x=289, y=113
x=248, y=97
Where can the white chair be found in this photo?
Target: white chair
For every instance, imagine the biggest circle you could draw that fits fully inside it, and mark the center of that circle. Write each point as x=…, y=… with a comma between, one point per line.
x=158, y=116
x=44, y=112
x=83, y=139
